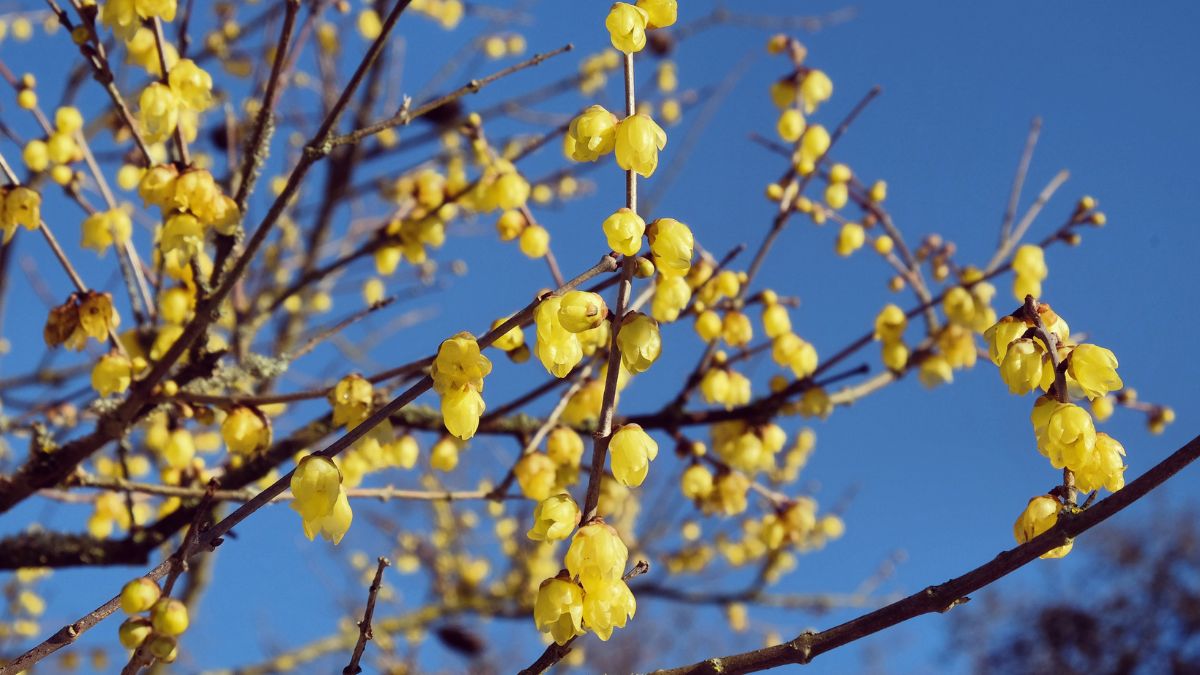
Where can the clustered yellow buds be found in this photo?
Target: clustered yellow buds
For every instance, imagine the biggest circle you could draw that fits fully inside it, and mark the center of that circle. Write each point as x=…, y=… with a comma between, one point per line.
x=190, y=202
x=320, y=498
x=159, y=631
x=102, y=229
x=458, y=372
x=112, y=374
x=671, y=243
x=83, y=315
x=163, y=108
x=21, y=206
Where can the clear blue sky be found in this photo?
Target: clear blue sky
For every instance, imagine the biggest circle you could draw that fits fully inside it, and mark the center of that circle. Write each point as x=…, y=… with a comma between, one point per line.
x=939, y=475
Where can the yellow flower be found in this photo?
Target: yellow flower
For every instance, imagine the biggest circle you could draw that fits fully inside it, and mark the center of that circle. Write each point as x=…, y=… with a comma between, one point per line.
x=661, y=13
x=935, y=371
x=159, y=112
x=1095, y=369
x=246, y=431
x=626, y=26
x=790, y=125
x=624, y=230
x=22, y=206
x=1021, y=369
x=316, y=484
x=592, y=134
x=139, y=595
x=1040, y=515
x=191, y=84
x=671, y=296
x=557, y=348
x=564, y=446
x=105, y=228
x=729, y=493
x=461, y=411
x=169, y=617
x=632, y=450
x=1030, y=261
x=895, y=355
x=596, y=555
x=815, y=89
x=671, y=242
x=581, y=311
x=112, y=374
x=534, y=241
x=183, y=234
x=708, y=325
x=796, y=353
x=638, y=141
x=536, y=474
x=351, y=400
x=776, y=321
x=850, y=238
x=163, y=9
x=1002, y=334
x=97, y=316
x=1104, y=468
x=639, y=341
x=606, y=606
x=1069, y=436
x=157, y=186
x=443, y=456
x=180, y=449
x=558, y=609
x=697, y=482
x=459, y=363
x=890, y=324
x=554, y=518
x=133, y=632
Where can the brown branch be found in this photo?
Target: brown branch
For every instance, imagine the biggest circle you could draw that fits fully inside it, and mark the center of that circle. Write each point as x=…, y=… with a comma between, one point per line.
x=364, y=626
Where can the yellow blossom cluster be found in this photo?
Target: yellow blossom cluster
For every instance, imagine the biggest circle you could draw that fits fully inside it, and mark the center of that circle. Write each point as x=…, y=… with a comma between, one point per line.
x=59, y=149
x=155, y=620
x=458, y=372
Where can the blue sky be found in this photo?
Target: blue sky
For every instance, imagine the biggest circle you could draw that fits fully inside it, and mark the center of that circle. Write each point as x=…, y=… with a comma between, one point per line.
x=938, y=475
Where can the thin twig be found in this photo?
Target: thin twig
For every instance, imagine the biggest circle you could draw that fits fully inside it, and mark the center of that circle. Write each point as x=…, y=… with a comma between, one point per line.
x=364, y=626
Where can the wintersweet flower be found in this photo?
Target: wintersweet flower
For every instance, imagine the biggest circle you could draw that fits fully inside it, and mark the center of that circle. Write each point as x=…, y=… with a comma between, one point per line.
x=1040, y=515
x=461, y=411
x=21, y=206
x=112, y=374
x=632, y=450
x=626, y=26
x=558, y=609
x=134, y=631
x=1104, y=468
x=935, y=371
x=159, y=112
x=316, y=484
x=671, y=296
x=596, y=555
x=815, y=89
x=558, y=349
x=1002, y=334
x=139, y=595
x=591, y=135
x=638, y=142
x=554, y=518
x=581, y=311
x=169, y=617
x=661, y=13
x=696, y=482
x=607, y=606
x=246, y=431
x=1095, y=370
x=102, y=229
x=639, y=341
x=624, y=230
x=536, y=473
x=192, y=84
x=351, y=400
x=671, y=243
x=1022, y=368
x=1069, y=437
x=775, y=320
x=890, y=323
